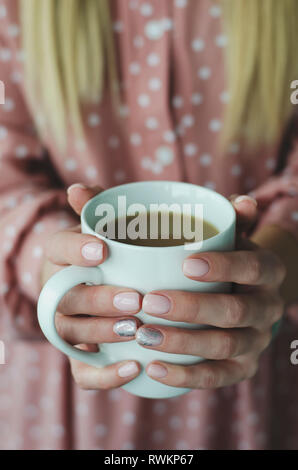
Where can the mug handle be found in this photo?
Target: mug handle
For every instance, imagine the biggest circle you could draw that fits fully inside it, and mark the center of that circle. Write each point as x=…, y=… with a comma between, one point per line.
x=52, y=293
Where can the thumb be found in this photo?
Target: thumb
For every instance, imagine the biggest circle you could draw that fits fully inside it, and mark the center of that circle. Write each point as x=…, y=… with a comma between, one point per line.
x=79, y=194
x=246, y=211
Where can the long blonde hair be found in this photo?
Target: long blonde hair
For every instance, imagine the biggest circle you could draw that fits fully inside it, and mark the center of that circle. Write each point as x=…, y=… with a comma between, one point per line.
x=70, y=57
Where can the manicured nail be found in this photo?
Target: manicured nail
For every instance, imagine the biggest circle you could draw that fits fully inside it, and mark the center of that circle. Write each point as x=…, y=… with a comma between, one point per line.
x=156, y=304
x=130, y=368
x=245, y=198
x=76, y=185
x=127, y=301
x=125, y=328
x=157, y=371
x=92, y=251
x=195, y=267
x=149, y=337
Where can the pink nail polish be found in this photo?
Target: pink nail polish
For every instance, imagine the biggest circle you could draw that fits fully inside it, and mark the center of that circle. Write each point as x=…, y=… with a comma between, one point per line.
x=157, y=371
x=195, y=267
x=156, y=304
x=92, y=251
x=127, y=301
x=130, y=368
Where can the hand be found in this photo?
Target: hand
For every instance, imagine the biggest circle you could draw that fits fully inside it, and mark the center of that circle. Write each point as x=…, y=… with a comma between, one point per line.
x=242, y=320
x=89, y=315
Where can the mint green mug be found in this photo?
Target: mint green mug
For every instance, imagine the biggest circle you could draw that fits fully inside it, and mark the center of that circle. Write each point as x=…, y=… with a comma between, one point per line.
x=144, y=269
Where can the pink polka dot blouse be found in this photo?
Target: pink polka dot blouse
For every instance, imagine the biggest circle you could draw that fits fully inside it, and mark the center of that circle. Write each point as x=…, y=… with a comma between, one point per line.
x=171, y=64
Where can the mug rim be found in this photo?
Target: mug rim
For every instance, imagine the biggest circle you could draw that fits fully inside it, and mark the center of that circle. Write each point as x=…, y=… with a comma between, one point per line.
x=157, y=182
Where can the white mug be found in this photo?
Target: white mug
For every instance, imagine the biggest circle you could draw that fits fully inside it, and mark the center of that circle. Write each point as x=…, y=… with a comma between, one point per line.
x=144, y=269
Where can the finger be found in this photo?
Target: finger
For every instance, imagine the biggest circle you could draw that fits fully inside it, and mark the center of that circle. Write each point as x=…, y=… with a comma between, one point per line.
x=94, y=330
x=246, y=211
x=69, y=247
x=79, y=195
x=259, y=267
x=259, y=310
x=108, y=377
x=100, y=300
x=210, y=344
x=206, y=375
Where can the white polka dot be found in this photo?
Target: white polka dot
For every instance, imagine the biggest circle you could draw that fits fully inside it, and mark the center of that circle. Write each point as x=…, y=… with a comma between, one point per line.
x=153, y=59
x=31, y=411
x=134, y=68
x=225, y=97
x=190, y=150
x=3, y=11
x=193, y=422
x=210, y=185
x=37, y=251
x=146, y=163
x=16, y=76
x=215, y=125
x=194, y=405
x=198, y=44
x=94, y=120
x=157, y=168
x=91, y=172
x=158, y=435
x=144, y=100
x=205, y=159
x=196, y=99
x=128, y=446
x=177, y=101
x=118, y=26
x=136, y=139
x=167, y=24
x=7, y=246
x=204, y=73
x=175, y=422
x=13, y=30
x=146, y=9
x=236, y=170
x=57, y=431
x=270, y=163
x=165, y=155
x=181, y=3
x=10, y=231
x=11, y=202
x=169, y=136
x=26, y=277
x=5, y=54
x=4, y=288
x=101, y=430
x=188, y=120
x=3, y=132
x=38, y=227
x=139, y=42
x=129, y=418
x=9, y=105
x=180, y=445
x=154, y=84
x=294, y=216
x=114, y=395
x=71, y=164
x=215, y=11
x=47, y=403
x=221, y=40
x=124, y=111
x=154, y=30
x=152, y=123
x=21, y=151
x=114, y=142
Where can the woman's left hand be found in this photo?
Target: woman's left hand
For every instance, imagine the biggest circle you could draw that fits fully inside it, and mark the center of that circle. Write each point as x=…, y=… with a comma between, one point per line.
x=243, y=319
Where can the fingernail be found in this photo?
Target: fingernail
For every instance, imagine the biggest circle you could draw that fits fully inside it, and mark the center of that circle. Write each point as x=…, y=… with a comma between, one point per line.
x=92, y=251
x=127, y=301
x=245, y=198
x=149, y=337
x=195, y=267
x=76, y=185
x=130, y=368
x=156, y=304
x=125, y=328
x=157, y=371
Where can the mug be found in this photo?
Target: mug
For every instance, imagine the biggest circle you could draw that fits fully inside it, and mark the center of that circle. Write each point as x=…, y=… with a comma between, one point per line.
x=143, y=268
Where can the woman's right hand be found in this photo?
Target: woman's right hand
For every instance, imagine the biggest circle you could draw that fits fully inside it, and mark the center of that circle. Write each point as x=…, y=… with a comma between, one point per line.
x=89, y=315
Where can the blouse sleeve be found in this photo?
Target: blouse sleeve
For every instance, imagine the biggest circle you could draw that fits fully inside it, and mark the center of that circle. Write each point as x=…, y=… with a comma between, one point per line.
x=32, y=204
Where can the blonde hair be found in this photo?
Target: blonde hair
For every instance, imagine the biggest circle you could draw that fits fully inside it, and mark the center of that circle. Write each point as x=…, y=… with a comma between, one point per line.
x=70, y=57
